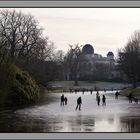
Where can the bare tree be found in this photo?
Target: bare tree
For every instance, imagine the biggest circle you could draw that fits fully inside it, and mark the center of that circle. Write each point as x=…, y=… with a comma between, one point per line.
x=21, y=36
x=22, y=40
x=72, y=61
x=129, y=58
x=9, y=24
x=59, y=56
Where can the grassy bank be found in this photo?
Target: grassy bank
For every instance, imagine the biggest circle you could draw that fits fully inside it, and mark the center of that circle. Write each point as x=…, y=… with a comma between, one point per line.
x=134, y=91
x=59, y=85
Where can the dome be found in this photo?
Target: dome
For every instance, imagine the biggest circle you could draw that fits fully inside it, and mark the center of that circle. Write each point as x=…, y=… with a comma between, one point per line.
x=88, y=49
x=110, y=54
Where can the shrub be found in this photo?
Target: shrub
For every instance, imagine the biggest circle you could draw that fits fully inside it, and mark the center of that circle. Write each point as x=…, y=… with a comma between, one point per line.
x=16, y=86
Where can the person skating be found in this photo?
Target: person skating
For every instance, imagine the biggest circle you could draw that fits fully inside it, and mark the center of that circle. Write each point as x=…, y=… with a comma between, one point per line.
x=97, y=94
x=98, y=100
x=90, y=91
x=66, y=100
x=104, y=100
x=130, y=97
x=62, y=100
x=83, y=90
x=116, y=95
x=79, y=102
x=75, y=91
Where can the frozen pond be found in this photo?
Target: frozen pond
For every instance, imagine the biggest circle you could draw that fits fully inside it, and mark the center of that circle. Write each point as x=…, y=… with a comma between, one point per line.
x=116, y=116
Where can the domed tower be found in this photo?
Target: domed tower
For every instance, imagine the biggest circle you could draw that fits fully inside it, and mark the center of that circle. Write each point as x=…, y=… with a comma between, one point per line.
x=110, y=55
x=88, y=49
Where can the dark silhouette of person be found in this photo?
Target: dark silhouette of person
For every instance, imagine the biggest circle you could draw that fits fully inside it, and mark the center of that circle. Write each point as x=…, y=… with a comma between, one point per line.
x=66, y=100
x=62, y=100
x=97, y=94
x=130, y=97
x=90, y=91
x=104, y=100
x=98, y=100
x=75, y=91
x=116, y=95
x=83, y=90
x=104, y=90
x=79, y=102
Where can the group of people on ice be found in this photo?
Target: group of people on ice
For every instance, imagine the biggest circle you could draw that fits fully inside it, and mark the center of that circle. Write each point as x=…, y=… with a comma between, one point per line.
x=79, y=99
x=63, y=100
x=98, y=99
x=131, y=98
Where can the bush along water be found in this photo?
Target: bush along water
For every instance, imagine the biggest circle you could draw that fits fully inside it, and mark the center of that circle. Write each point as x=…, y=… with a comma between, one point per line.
x=16, y=86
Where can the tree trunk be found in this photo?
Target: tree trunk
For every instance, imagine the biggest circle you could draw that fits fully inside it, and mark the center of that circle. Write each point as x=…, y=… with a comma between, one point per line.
x=12, y=53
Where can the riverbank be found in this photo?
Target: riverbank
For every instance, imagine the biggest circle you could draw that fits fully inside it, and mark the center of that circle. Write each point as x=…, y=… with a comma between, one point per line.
x=66, y=85
x=134, y=91
x=42, y=97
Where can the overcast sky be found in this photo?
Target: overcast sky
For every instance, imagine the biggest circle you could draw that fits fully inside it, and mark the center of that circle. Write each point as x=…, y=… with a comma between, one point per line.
x=107, y=29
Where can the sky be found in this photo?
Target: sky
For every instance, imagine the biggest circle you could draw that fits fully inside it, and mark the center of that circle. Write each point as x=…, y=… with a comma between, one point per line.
x=106, y=29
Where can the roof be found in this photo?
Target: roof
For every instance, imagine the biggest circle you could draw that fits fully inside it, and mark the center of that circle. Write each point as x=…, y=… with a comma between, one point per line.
x=110, y=54
x=88, y=49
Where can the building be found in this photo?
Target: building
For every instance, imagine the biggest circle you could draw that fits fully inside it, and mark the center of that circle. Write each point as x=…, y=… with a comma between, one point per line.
x=93, y=66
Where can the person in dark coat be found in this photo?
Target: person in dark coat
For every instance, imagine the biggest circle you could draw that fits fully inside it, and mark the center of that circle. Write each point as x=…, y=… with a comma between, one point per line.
x=98, y=100
x=90, y=91
x=104, y=100
x=65, y=99
x=83, y=90
x=75, y=91
x=62, y=100
x=116, y=95
x=97, y=94
x=79, y=102
x=130, y=97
